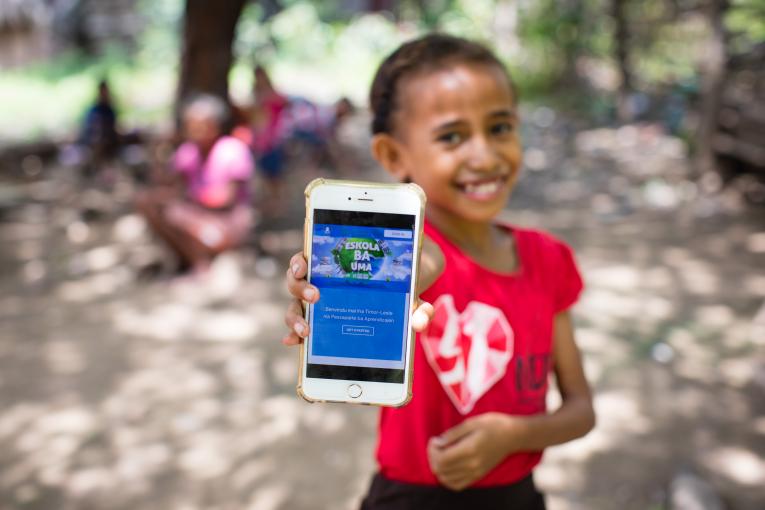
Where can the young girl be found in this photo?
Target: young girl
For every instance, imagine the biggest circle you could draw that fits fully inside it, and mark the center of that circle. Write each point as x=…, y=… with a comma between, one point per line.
x=445, y=117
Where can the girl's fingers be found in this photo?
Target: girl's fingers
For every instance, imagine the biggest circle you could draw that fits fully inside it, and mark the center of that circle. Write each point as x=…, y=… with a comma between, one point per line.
x=453, y=480
x=298, y=266
x=294, y=319
x=444, y=470
x=456, y=479
x=292, y=339
x=297, y=286
x=301, y=291
x=455, y=484
x=421, y=316
x=453, y=471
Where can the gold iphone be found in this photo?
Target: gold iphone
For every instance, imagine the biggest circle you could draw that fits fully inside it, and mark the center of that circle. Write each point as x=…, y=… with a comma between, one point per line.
x=362, y=244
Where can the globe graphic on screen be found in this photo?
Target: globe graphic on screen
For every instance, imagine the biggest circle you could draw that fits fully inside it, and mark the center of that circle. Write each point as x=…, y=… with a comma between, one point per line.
x=360, y=257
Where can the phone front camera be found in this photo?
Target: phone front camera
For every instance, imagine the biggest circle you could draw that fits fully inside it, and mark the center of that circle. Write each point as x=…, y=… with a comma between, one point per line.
x=349, y=198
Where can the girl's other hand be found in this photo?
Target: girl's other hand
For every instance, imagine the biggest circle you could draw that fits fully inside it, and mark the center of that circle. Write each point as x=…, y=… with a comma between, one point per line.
x=302, y=291
x=466, y=453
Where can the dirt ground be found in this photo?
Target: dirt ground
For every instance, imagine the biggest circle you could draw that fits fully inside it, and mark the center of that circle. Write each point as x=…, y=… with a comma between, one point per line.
x=121, y=390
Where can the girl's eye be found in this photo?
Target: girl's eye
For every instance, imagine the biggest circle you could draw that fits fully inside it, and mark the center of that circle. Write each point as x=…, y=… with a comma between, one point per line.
x=502, y=128
x=450, y=138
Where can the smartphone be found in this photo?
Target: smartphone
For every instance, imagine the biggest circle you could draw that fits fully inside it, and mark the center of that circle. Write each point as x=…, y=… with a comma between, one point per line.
x=362, y=244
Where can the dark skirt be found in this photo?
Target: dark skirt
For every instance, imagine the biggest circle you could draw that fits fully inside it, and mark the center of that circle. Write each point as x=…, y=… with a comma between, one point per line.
x=387, y=494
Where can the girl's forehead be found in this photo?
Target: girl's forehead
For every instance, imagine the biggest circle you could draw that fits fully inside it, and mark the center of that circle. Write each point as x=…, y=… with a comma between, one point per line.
x=199, y=117
x=455, y=88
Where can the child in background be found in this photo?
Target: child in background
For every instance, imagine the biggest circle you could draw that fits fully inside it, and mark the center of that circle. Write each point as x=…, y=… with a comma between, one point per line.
x=445, y=117
x=99, y=133
x=203, y=207
x=315, y=128
x=268, y=133
x=314, y=123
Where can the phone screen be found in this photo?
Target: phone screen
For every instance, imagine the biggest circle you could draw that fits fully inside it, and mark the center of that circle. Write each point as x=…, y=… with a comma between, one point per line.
x=362, y=264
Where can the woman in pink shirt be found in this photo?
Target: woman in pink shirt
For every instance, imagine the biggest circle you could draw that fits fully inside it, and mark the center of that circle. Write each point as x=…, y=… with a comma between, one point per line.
x=203, y=208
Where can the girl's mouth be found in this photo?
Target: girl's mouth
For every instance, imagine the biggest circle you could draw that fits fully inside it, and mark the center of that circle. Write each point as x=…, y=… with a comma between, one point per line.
x=484, y=189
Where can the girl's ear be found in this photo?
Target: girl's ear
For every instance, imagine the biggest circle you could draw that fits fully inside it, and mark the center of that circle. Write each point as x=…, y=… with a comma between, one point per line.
x=389, y=153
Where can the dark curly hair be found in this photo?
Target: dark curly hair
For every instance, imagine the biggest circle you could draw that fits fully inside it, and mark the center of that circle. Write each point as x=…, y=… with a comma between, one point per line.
x=428, y=53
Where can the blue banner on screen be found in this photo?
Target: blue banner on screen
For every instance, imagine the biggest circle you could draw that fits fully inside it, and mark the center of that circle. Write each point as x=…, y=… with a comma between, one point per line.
x=364, y=276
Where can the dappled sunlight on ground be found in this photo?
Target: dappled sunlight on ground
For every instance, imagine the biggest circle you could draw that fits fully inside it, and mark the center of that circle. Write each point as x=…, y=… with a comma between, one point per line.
x=122, y=391
x=670, y=338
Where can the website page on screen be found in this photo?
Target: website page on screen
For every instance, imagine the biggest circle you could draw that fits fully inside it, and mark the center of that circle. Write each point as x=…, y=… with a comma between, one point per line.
x=362, y=264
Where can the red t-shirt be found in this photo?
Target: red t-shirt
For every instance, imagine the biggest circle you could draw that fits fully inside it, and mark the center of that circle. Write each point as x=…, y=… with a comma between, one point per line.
x=488, y=349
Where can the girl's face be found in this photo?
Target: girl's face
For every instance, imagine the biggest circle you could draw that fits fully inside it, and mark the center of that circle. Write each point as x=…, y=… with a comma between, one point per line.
x=457, y=137
x=201, y=130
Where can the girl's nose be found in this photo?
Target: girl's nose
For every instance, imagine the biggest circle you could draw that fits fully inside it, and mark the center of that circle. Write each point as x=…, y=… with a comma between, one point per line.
x=483, y=156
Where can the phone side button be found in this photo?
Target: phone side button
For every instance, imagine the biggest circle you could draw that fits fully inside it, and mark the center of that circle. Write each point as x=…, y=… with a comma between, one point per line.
x=354, y=391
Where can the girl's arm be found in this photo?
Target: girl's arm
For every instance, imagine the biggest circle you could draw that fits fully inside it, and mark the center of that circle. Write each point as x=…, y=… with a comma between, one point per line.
x=464, y=454
x=431, y=265
x=576, y=416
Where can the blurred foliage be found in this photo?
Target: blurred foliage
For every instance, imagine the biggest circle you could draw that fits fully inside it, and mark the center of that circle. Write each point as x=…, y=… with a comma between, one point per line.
x=747, y=22
x=50, y=97
x=559, y=51
x=302, y=50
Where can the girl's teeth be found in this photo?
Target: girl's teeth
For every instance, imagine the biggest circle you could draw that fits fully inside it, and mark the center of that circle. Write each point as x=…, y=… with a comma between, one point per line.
x=484, y=188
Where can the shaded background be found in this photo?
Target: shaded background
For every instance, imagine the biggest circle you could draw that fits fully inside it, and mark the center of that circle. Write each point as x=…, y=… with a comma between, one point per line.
x=644, y=130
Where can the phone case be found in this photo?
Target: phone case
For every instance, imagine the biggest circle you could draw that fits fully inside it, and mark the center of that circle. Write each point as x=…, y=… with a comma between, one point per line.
x=306, y=239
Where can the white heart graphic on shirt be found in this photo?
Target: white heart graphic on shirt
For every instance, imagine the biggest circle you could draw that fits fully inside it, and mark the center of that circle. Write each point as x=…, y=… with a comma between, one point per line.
x=468, y=351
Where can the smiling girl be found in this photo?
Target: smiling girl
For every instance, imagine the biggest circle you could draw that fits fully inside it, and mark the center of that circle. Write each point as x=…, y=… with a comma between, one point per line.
x=445, y=117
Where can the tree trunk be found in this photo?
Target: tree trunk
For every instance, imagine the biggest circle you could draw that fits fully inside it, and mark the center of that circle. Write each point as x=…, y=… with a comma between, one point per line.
x=208, y=33
x=621, y=48
x=713, y=76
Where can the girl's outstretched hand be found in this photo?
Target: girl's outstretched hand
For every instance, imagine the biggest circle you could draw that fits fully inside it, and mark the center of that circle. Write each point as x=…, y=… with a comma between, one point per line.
x=465, y=453
x=302, y=291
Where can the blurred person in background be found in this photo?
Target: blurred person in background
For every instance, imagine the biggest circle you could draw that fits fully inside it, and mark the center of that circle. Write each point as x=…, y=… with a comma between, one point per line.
x=262, y=128
x=101, y=148
x=99, y=135
x=279, y=125
x=201, y=207
x=315, y=127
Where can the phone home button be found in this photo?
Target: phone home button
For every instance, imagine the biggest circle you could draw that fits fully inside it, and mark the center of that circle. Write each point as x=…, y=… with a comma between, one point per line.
x=354, y=391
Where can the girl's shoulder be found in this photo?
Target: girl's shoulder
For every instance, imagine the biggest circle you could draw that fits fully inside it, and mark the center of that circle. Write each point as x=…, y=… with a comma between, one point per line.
x=551, y=263
x=539, y=240
x=546, y=266
x=228, y=143
x=539, y=249
x=186, y=158
x=534, y=247
x=229, y=149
